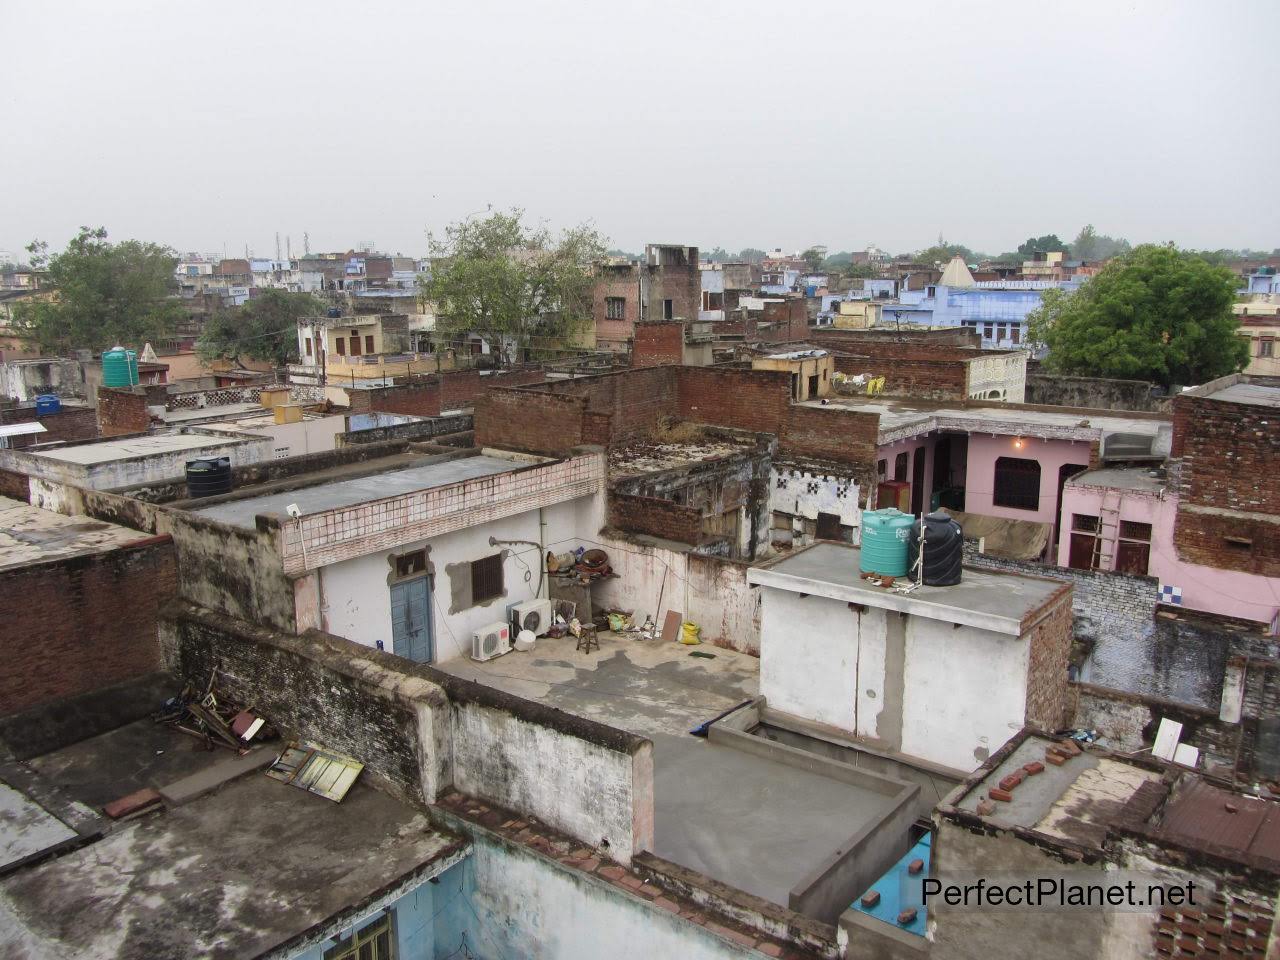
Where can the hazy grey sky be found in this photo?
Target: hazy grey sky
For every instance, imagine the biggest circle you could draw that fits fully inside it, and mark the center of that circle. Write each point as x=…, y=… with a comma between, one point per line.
x=730, y=123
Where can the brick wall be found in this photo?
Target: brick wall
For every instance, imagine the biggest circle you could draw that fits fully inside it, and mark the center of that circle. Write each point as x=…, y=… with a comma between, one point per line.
x=122, y=411
x=786, y=319
x=925, y=379
x=1049, y=642
x=832, y=433
x=679, y=283
x=68, y=424
x=620, y=282
x=532, y=421
x=1229, y=454
x=658, y=344
x=420, y=398
x=755, y=400
x=1253, y=547
x=657, y=518
x=76, y=625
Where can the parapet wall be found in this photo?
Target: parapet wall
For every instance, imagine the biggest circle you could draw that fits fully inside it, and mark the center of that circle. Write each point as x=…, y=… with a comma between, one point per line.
x=419, y=730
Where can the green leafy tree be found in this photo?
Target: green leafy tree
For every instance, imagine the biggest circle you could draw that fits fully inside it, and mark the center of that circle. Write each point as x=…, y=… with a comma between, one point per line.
x=717, y=255
x=265, y=328
x=1091, y=245
x=838, y=261
x=942, y=252
x=750, y=255
x=103, y=294
x=520, y=289
x=1046, y=244
x=813, y=257
x=1155, y=313
x=862, y=271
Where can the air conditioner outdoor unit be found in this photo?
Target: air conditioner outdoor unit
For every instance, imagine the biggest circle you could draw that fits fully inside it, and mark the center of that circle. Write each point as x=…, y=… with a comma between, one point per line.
x=534, y=615
x=491, y=641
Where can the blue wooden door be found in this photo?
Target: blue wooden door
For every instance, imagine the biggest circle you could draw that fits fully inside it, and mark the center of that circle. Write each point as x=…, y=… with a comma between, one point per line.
x=411, y=620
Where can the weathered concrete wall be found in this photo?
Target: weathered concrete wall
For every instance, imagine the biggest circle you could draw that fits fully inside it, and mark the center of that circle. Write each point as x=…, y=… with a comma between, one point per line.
x=418, y=730
x=720, y=601
x=1096, y=393
x=510, y=902
x=414, y=430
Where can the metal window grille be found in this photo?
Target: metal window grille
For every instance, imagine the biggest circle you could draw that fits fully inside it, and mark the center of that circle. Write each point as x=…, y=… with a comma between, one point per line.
x=486, y=578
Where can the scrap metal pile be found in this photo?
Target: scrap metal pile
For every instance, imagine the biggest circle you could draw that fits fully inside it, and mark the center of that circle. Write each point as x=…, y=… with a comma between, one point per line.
x=215, y=718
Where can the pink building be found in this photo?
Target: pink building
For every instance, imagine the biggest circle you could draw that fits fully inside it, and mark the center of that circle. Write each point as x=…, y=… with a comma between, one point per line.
x=1123, y=519
x=1008, y=461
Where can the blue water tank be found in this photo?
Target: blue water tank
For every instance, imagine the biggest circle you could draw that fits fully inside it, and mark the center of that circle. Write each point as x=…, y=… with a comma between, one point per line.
x=884, y=542
x=47, y=403
x=119, y=368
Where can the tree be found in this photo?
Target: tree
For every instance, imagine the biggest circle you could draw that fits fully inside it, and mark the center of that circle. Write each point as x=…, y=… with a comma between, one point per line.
x=813, y=257
x=1155, y=313
x=942, y=252
x=750, y=255
x=518, y=288
x=104, y=294
x=718, y=255
x=1091, y=245
x=1046, y=244
x=265, y=328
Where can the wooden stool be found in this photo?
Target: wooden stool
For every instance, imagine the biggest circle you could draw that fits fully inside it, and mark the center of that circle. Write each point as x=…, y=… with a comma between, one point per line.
x=588, y=639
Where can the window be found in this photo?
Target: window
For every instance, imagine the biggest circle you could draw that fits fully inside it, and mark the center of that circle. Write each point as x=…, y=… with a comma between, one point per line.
x=712, y=301
x=486, y=579
x=615, y=308
x=373, y=942
x=882, y=469
x=340, y=346
x=1265, y=348
x=411, y=564
x=307, y=343
x=1015, y=333
x=668, y=310
x=1084, y=523
x=986, y=331
x=900, y=466
x=1017, y=484
x=368, y=343
x=1083, y=544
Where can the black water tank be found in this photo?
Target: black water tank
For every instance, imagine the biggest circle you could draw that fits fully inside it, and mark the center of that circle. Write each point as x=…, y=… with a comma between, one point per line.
x=205, y=478
x=943, y=549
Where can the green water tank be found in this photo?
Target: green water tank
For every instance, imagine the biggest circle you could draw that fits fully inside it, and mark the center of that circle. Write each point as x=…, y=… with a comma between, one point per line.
x=119, y=368
x=884, y=542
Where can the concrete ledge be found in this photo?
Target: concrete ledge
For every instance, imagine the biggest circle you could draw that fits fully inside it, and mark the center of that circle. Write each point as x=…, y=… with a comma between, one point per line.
x=212, y=777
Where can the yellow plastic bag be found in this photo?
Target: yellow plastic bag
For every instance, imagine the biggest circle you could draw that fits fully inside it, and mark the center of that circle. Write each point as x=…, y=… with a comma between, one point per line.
x=690, y=633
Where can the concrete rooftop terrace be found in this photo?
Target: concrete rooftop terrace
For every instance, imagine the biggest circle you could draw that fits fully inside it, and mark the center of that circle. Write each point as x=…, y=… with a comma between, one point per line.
x=1250, y=393
x=1120, y=478
x=901, y=418
x=1001, y=602
x=750, y=822
x=336, y=494
x=232, y=874
x=31, y=535
x=130, y=448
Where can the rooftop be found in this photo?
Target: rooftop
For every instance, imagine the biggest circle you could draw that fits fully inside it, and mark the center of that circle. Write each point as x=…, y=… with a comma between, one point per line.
x=901, y=418
x=1074, y=801
x=739, y=818
x=684, y=446
x=31, y=535
x=130, y=448
x=1001, y=602
x=1250, y=393
x=234, y=873
x=1120, y=478
x=346, y=493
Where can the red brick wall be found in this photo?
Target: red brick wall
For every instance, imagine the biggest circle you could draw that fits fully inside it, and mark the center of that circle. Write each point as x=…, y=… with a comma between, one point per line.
x=832, y=433
x=122, y=411
x=617, y=282
x=76, y=625
x=746, y=399
x=459, y=388
x=531, y=421
x=658, y=344
x=925, y=379
x=15, y=485
x=791, y=317
x=69, y=423
x=1229, y=453
x=420, y=398
x=1048, y=695
x=657, y=518
x=1202, y=538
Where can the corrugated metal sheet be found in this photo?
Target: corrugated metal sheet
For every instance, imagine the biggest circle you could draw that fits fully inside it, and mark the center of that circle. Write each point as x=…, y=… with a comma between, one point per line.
x=1212, y=815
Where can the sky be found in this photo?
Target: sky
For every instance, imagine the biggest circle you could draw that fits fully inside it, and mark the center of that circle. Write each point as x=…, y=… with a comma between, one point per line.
x=212, y=127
